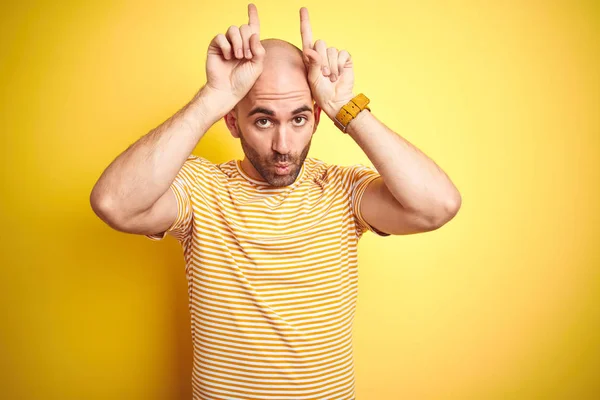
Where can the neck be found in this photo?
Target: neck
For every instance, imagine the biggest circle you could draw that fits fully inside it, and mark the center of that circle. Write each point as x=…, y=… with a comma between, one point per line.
x=250, y=170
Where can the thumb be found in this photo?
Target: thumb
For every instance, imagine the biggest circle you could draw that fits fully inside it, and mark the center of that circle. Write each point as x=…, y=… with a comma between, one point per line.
x=312, y=59
x=258, y=51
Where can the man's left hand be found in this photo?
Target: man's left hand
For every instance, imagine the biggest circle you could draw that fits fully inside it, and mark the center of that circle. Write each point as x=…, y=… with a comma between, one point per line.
x=330, y=72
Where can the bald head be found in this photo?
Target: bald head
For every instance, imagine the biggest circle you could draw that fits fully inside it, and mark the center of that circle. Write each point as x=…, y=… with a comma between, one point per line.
x=284, y=72
x=278, y=50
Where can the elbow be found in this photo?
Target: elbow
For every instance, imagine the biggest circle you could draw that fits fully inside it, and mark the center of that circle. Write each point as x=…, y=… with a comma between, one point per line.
x=101, y=205
x=453, y=205
x=106, y=209
x=445, y=212
x=448, y=210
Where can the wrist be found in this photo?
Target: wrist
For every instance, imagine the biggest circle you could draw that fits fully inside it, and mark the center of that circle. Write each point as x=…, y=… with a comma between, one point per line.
x=354, y=126
x=212, y=104
x=350, y=111
x=334, y=107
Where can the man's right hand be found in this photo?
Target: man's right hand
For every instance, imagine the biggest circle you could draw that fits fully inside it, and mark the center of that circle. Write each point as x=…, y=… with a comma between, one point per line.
x=235, y=60
x=133, y=195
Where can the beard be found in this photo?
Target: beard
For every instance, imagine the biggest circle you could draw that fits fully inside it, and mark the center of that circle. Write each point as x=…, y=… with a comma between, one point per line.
x=265, y=165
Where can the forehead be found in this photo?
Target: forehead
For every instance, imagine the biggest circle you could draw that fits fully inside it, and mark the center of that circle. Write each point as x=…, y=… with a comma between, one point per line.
x=281, y=88
x=279, y=103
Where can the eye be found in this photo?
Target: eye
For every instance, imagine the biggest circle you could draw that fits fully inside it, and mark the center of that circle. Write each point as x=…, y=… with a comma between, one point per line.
x=302, y=121
x=263, y=125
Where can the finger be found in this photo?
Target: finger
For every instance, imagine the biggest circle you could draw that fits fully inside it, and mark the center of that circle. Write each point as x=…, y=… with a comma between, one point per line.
x=313, y=60
x=332, y=61
x=321, y=48
x=257, y=48
x=235, y=38
x=305, y=29
x=253, y=20
x=223, y=44
x=344, y=61
x=246, y=32
x=312, y=57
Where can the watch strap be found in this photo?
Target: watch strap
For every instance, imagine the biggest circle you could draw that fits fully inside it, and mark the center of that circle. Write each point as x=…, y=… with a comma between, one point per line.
x=350, y=110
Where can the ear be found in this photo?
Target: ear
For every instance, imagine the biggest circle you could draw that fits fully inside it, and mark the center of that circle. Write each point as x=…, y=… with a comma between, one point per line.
x=317, y=117
x=230, y=120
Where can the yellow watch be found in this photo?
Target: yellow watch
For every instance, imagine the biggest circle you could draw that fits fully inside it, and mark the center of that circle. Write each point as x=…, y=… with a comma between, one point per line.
x=350, y=111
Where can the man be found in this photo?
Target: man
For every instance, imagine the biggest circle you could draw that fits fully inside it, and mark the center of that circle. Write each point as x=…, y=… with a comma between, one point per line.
x=270, y=242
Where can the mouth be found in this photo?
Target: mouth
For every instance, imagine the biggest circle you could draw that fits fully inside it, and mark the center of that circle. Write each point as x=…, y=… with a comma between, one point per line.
x=282, y=169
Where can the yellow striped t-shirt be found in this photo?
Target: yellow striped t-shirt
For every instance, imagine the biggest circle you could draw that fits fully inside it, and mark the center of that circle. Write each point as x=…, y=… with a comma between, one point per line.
x=272, y=278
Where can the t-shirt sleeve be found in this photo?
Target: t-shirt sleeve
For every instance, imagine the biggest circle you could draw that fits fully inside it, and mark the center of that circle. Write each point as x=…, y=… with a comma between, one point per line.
x=182, y=187
x=359, y=178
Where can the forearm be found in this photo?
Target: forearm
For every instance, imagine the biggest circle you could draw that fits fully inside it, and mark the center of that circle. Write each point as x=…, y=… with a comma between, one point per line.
x=414, y=180
x=140, y=175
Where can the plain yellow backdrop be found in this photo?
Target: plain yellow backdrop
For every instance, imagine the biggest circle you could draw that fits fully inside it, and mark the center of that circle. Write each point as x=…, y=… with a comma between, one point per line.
x=503, y=302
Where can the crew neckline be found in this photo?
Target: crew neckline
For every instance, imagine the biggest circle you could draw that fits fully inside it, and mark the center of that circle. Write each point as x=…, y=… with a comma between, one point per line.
x=240, y=170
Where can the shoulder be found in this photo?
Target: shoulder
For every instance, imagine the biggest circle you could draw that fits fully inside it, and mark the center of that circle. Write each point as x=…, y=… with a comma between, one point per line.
x=199, y=161
x=330, y=175
x=200, y=173
x=201, y=164
x=343, y=172
x=194, y=162
x=318, y=170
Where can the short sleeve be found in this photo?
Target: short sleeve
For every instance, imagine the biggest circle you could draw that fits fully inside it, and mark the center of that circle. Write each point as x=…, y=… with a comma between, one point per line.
x=182, y=187
x=359, y=178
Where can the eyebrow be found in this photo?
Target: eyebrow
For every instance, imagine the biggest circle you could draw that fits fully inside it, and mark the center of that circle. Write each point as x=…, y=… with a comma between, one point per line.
x=262, y=110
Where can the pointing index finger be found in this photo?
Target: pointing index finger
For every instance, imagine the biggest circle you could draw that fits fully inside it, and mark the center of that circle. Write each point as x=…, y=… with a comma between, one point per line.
x=253, y=18
x=305, y=29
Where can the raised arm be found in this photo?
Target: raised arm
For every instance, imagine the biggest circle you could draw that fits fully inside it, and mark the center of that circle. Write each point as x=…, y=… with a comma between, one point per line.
x=132, y=194
x=413, y=193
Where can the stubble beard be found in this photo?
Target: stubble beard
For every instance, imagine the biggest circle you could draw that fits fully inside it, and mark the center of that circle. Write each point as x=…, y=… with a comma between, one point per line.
x=264, y=166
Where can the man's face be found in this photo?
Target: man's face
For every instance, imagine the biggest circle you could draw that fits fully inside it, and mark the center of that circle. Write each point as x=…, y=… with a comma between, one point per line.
x=276, y=136
x=275, y=121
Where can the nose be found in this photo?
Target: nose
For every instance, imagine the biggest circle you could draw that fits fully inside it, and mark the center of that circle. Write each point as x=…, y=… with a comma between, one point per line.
x=281, y=141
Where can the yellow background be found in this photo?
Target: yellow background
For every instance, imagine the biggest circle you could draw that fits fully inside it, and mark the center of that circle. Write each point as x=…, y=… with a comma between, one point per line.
x=501, y=303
